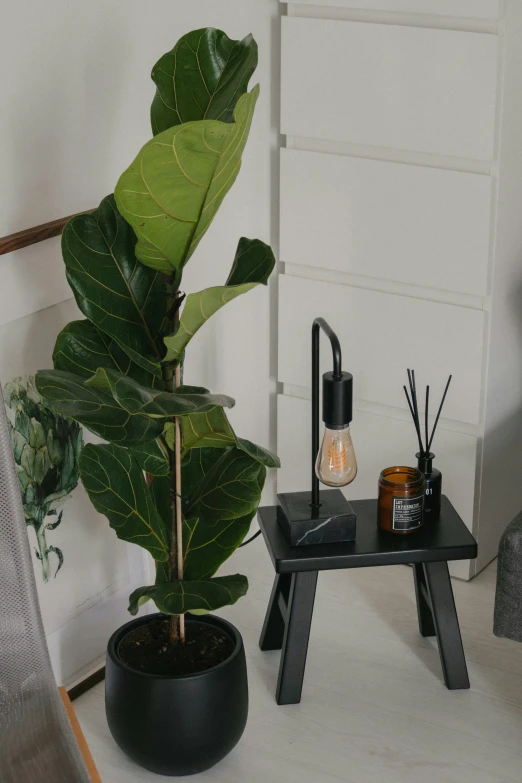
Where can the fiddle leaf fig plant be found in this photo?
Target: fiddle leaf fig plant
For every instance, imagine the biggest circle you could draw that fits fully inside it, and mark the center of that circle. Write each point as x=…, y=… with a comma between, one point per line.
x=173, y=476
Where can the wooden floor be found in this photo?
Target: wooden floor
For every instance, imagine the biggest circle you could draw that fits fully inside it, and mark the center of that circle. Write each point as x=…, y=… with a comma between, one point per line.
x=374, y=707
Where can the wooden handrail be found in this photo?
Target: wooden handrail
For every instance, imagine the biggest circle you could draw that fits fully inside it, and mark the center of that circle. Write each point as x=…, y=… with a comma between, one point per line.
x=30, y=236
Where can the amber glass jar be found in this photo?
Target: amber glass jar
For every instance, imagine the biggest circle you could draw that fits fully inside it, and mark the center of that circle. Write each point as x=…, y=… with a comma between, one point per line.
x=401, y=500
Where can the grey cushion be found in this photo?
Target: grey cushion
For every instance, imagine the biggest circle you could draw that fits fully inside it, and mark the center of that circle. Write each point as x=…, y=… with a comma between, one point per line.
x=508, y=598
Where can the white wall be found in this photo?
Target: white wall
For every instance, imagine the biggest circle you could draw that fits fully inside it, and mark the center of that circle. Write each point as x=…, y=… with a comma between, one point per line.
x=375, y=222
x=501, y=468
x=75, y=103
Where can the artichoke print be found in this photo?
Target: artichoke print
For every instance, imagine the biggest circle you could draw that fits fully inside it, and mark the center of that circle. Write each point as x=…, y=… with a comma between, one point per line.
x=46, y=448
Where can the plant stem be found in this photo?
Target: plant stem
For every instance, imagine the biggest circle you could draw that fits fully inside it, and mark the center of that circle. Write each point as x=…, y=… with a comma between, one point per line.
x=179, y=518
x=175, y=624
x=172, y=380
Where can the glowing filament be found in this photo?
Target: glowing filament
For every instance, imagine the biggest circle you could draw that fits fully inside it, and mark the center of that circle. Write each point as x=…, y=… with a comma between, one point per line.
x=337, y=456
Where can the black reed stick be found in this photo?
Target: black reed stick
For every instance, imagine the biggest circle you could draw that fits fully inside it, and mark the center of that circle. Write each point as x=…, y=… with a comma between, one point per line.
x=415, y=407
x=438, y=414
x=424, y=450
x=415, y=419
x=414, y=394
x=427, y=451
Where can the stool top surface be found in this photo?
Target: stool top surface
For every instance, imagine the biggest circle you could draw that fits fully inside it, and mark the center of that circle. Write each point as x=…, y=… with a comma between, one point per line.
x=448, y=538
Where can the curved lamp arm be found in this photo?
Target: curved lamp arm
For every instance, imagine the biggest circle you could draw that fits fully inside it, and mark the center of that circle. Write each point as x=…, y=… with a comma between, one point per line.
x=318, y=324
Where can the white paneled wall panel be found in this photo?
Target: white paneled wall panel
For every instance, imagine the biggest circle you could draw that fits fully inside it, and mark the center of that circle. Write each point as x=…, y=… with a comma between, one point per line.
x=476, y=9
x=382, y=335
x=32, y=279
x=379, y=442
x=392, y=221
x=407, y=88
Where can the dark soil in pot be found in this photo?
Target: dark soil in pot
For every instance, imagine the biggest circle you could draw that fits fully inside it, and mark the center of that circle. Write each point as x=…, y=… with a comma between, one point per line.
x=148, y=648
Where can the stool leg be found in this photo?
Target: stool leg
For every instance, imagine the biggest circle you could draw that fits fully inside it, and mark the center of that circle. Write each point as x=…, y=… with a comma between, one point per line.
x=426, y=624
x=446, y=625
x=297, y=633
x=274, y=625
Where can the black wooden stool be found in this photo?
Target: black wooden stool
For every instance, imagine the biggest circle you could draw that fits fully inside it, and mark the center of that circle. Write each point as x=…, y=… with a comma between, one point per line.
x=289, y=614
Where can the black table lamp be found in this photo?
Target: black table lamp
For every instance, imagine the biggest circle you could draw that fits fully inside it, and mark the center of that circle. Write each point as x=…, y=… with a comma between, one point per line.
x=325, y=517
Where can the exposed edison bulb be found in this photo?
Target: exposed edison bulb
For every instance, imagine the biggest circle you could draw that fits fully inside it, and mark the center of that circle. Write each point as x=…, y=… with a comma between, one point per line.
x=336, y=464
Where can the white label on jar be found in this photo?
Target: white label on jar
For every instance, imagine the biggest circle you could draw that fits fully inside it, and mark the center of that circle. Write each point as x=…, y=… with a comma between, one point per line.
x=407, y=513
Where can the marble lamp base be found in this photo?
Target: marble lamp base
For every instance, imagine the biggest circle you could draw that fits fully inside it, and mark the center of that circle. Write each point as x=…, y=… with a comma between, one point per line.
x=334, y=521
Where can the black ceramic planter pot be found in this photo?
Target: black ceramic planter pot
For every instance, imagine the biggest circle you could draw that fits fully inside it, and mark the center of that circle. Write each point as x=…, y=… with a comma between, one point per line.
x=177, y=725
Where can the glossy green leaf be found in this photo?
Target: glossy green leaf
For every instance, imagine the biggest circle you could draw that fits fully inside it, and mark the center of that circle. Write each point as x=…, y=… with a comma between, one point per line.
x=117, y=488
x=201, y=78
x=225, y=490
x=231, y=488
x=95, y=408
x=194, y=467
x=207, y=430
x=213, y=430
x=169, y=434
x=138, y=399
x=207, y=546
x=152, y=458
x=122, y=298
x=253, y=264
x=173, y=189
x=81, y=348
x=198, y=597
x=161, y=491
x=259, y=453
x=197, y=310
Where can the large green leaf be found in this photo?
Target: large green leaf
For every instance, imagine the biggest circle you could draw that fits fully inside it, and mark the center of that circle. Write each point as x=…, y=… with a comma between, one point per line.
x=259, y=453
x=198, y=597
x=138, y=399
x=253, y=264
x=152, y=457
x=173, y=189
x=81, y=348
x=161, y=490
x=124, y=299
x=194, y=467
x=207, y=430
x=116, y=486
x=213, y=430
x=96, y=409
x=207, y=546
x=197, y=310
x=231, y=488
x=201, y=78
x=222, y=491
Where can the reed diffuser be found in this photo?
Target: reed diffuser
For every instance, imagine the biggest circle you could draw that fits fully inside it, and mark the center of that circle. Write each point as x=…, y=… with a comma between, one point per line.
x=425, y=456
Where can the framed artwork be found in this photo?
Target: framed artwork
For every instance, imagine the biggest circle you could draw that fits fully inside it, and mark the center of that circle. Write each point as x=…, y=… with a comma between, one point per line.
x=84, y=574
